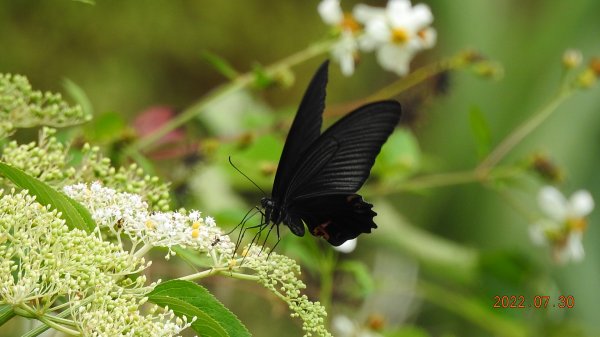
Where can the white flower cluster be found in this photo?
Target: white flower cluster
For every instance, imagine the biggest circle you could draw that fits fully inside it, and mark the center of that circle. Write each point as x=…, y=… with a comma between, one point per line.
x=565, y=223
x=123, y=213
x=396, y=33
x=126, y=213
x=43, y=264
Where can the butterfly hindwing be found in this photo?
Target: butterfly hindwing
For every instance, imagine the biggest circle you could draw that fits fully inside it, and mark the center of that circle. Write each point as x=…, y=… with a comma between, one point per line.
x=305, y=129
x=336, y=217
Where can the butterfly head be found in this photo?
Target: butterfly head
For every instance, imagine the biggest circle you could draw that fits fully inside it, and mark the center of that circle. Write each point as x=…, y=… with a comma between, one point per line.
x=272, y=211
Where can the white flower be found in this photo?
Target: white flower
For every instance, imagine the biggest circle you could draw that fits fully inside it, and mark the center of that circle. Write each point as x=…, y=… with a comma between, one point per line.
x=346, y=247
x=397, y=32
x=345, y=327
x=345, y=49
x=565, y=223
x=331, y=12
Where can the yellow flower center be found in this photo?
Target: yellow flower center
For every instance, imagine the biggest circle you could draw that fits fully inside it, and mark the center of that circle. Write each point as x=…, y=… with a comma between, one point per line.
x=399, y=35
x=349, y=23
x=195, y=233
x=232, y=263
x=150, y=224
x=579, y=224
x=196, y=225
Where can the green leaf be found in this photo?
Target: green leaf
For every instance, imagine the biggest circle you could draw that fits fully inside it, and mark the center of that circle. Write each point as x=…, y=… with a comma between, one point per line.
x=6, y=313
x=481, y=131
x=189, y=299
x=361, y=274
x=75, y=215
x=106, y=127
x=220, y=64
x=400, y=156
x=77, y=93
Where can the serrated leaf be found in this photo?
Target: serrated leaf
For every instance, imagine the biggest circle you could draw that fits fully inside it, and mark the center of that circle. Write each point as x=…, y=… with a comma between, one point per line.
x=481, y=131
x=220, y=64
x=75, y=215
x=189, y=299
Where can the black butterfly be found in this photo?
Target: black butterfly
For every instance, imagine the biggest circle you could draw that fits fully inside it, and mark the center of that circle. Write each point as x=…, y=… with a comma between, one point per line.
x=319, y=174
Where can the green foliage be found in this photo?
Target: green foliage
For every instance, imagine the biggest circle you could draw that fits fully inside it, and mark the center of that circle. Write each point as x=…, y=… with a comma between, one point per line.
x=71, y=211
x=481, y=131
x=190, y=299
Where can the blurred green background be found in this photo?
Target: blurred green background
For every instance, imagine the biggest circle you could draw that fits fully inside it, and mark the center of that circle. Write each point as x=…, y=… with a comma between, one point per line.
x=459, y=245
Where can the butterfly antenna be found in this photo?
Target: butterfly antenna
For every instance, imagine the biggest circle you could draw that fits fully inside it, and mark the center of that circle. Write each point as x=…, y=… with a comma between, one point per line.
x=242, y=173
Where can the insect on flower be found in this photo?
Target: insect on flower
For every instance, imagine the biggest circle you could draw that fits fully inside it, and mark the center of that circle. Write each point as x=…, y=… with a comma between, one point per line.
x=319, y=173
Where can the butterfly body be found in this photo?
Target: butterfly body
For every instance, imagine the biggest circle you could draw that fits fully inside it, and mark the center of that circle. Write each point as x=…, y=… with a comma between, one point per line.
x=319, y=173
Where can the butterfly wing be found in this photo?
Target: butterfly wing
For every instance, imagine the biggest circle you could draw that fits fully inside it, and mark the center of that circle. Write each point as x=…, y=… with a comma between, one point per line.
x=340, y=160
x=335, y=217
x=305, y=129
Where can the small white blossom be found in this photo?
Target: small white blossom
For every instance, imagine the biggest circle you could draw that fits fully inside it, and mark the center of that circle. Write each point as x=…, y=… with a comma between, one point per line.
x=346, y=28
x=565, y=223
x=127, y=213
x=346, y=247
x=397, y=32
x=345, y=327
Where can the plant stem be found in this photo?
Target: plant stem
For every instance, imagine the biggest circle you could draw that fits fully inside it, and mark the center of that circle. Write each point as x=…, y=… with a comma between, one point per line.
x=515, y=137
x=419, y=75
x=219, y=271
x=327, y=270
x=219, y=93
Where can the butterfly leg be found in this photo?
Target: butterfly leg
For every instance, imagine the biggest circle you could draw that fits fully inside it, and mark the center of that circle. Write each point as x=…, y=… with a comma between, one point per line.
x=244, y=229
x=276, y=243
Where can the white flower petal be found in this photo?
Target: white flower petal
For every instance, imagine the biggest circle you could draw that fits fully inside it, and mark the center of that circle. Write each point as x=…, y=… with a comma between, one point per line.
x=344, y=50
x=346, y=247
x=331, y=12
x=421, y=16
x=428, y=38
x=399, y=13
x=343, y=325
x=537, y=235
x=395, y=58
x=574, y=246
x=581, y=204
x=553, y=203
x=378, y=30
x=364, y=13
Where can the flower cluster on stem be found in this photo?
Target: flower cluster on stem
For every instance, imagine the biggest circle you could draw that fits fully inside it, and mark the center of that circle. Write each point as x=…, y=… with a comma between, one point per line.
x=396, y=33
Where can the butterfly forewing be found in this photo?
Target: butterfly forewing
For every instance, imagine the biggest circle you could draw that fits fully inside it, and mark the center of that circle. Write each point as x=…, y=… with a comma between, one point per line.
x=340, y=160
x=305, y=129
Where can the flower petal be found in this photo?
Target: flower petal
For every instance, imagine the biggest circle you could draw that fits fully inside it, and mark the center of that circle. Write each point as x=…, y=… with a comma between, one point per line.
x=537, y=235
x=581, y=204
x=553, y=203
x=343, y=325
x=364, y=13
x=428, y=38
x=395, y=58
x=331, y=12
x=346, y=247
x=574, y=246
x=344, y=51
